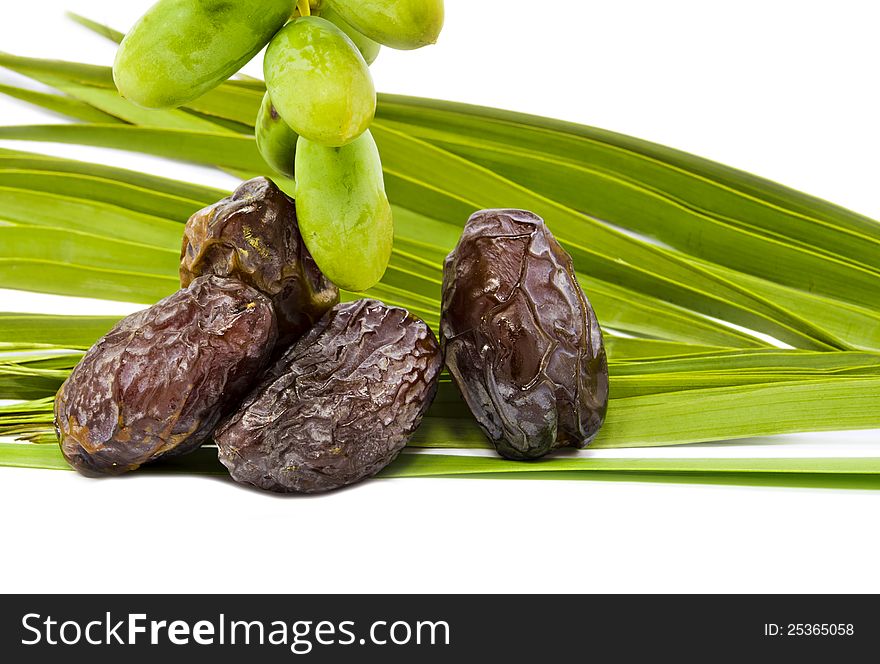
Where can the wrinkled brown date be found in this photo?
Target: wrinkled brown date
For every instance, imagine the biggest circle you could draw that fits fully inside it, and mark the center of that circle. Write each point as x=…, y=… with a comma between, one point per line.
x=253, y=236
x=338, y=406
x=156, y=384
x=521, y=340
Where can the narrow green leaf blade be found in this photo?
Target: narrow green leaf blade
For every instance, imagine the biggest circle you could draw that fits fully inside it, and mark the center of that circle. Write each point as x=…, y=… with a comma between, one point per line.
x=91, y=188
x=62, y=105
x=199, y=194
x=832, y=473
x=710, y=186
x=40, y=208
x=432, y=181
x=98, y=28
x=54, y=330
x=51, y=260
x=213, y=148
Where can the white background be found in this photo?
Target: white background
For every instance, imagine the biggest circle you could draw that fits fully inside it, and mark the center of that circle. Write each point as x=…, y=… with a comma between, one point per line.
x=787, y=90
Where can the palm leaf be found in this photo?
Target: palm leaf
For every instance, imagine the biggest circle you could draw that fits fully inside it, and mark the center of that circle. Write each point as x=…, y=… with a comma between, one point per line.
x=65, y=106
x=105, y=31
x=740, y=251
x=624, y=251
x=816, y=473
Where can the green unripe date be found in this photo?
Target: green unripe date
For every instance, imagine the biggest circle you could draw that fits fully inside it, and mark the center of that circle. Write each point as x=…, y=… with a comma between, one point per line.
x=319, y=82
x=401, y=24
x=180, y=49
x=344, y=214
x=368, y=48
x=275, y=140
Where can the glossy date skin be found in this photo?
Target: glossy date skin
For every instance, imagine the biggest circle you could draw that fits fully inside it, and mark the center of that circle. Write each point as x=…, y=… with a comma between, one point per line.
x=253, y=236
x=520, y=337
x=157, y=384
x=338, y=406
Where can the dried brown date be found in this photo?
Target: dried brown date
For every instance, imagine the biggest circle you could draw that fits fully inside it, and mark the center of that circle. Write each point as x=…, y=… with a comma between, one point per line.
x=338, y=406
x=520, y=337
x=253, y=236
x=157, y=383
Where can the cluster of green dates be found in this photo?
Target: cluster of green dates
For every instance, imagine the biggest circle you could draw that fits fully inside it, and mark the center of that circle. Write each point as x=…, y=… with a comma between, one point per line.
x=320, y=101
